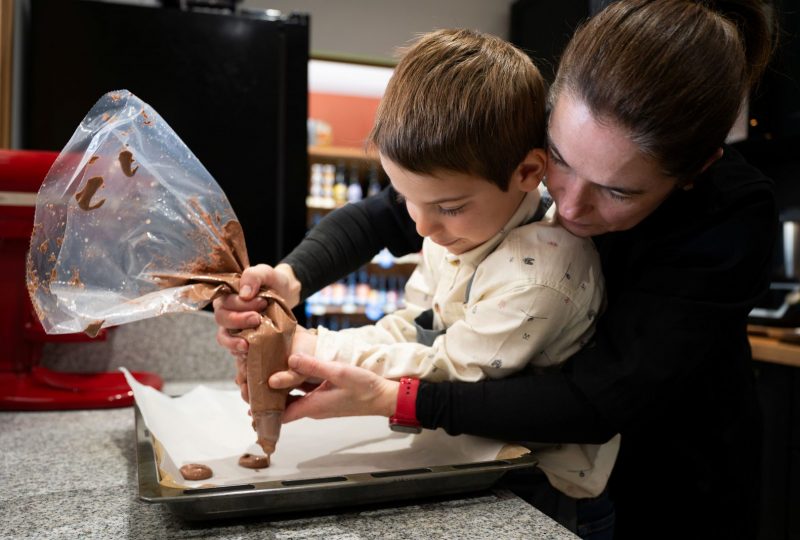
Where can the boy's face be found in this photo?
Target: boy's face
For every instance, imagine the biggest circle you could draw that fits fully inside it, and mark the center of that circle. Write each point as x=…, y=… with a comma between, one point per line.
x=455, y=210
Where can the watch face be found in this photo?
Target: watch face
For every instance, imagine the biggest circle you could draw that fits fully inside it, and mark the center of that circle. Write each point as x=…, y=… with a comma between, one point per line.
x=401, y=428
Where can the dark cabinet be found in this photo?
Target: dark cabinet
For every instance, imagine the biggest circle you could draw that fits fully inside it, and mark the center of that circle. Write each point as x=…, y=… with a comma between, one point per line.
x=779, y=393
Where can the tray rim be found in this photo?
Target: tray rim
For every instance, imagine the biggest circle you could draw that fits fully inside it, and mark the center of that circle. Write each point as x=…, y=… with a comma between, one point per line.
x=362, y=488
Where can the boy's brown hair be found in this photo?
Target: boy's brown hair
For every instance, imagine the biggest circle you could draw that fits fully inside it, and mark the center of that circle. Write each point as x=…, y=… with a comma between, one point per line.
x=462, y=101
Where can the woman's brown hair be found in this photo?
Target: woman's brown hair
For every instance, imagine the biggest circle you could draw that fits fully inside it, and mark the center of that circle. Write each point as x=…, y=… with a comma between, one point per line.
x=673, y=73
x=462, y=101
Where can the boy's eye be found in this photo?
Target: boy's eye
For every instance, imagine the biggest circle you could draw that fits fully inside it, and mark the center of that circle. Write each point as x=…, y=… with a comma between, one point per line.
x=451, y=211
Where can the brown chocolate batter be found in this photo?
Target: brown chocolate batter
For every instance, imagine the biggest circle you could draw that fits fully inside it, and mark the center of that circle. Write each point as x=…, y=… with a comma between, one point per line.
x=270, y=343
x=251, y=461
x=75, y=280
x=125, y=161
x=84, y=196
x=94, y=328
x=196, y=471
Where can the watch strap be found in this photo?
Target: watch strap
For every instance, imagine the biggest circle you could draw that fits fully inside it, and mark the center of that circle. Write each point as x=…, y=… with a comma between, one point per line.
x=405, y=415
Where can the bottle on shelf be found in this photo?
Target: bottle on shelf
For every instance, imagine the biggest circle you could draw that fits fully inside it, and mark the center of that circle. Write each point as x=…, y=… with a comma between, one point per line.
x=374, y=185
x=328, y=178
x=315, y=191
x=354, y=192
x=338, y=293
x=362, y=288
x=340, y=186
x=349, y=305
x=374, y=307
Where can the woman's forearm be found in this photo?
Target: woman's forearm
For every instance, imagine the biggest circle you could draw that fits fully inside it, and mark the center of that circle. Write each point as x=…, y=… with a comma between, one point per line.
x=349, y=237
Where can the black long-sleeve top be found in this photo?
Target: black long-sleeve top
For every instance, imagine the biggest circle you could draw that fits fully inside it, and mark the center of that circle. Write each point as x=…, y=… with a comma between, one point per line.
x=670, y=366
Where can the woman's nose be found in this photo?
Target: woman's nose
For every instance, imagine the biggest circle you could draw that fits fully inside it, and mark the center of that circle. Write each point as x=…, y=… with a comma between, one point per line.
x=574, y=201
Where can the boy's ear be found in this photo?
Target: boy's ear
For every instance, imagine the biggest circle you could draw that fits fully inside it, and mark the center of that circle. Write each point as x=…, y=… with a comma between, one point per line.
x=528, y=174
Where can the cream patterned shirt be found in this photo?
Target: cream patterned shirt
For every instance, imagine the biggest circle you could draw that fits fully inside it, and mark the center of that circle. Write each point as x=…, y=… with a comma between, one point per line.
x=534, y=297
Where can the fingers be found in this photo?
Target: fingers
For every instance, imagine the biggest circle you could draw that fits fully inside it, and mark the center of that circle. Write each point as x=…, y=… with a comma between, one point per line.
x=286, y=379
x=311, y=368
x=241, y=377
x=233, y=313
x=254, y=277
x=321, y=403
x=235, y=345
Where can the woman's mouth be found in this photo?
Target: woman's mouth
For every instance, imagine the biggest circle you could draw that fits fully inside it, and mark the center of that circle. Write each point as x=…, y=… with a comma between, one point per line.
x=578, y=229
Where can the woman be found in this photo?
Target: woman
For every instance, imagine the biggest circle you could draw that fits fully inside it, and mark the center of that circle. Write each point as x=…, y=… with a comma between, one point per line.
x=645, y=94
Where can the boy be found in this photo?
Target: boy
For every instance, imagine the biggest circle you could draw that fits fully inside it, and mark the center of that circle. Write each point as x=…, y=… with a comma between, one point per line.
x=501, y=286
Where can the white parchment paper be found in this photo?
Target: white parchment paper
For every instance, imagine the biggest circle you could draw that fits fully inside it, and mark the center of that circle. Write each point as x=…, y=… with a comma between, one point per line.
x=212, y=427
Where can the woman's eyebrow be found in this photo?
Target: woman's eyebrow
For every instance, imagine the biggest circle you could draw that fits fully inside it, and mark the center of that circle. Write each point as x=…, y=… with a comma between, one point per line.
x=554, y=149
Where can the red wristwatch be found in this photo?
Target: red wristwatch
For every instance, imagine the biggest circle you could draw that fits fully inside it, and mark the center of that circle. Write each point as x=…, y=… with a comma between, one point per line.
x=405, y=415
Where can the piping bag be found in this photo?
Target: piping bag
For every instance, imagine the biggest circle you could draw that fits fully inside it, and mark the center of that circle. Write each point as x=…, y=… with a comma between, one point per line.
x=129, y=225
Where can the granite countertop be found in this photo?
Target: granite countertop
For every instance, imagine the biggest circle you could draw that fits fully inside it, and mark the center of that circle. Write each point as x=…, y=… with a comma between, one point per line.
x=72, y=474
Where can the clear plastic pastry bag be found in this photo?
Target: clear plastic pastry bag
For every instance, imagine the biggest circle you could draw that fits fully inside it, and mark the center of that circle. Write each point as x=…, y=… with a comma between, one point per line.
x=130, y=225
x=126, y=205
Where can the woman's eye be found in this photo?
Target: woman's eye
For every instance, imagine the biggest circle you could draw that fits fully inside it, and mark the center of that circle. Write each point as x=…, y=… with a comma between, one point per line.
x=617, y=196
x=451, y=211
x=555, y=159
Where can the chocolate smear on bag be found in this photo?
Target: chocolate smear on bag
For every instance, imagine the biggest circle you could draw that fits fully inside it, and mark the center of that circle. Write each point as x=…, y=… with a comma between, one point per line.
x=84, y=196
x=125, y=161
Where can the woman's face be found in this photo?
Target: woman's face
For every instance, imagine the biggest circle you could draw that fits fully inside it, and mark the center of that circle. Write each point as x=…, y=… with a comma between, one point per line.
x=597, y=177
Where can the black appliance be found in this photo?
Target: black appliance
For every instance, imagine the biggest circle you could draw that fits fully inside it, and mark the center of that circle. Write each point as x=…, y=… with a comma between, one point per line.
x=232, y=83
x=542, y=28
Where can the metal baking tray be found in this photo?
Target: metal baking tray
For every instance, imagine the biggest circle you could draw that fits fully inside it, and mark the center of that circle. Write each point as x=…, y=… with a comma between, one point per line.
x=288, y=496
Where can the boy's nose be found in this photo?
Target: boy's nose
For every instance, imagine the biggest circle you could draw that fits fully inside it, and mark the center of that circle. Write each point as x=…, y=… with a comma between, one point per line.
x=427, y=224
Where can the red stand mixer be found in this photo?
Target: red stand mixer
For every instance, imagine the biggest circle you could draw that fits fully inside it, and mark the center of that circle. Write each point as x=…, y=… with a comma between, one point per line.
x=24, y=385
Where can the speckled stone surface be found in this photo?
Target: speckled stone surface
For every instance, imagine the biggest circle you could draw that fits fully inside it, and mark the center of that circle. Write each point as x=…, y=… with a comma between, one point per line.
x=72, y=474
x=177, y=346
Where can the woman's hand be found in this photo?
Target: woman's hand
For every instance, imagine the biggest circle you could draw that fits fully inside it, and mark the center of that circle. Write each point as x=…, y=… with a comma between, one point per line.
x=345, y=391
x=239, y=311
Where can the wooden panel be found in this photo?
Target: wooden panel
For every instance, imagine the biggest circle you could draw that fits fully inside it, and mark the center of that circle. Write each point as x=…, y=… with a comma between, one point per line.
x=768, y=349
x=6, y=62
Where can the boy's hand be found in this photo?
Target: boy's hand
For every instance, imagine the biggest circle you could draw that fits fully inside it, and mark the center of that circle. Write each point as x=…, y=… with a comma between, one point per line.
x=304, y=342
x=235, y=312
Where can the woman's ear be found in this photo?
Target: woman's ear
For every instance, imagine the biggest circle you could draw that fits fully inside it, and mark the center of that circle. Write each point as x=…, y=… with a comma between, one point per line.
x=528, y=174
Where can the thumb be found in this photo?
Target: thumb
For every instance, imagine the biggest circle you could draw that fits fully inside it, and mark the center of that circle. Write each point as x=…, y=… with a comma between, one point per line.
x=251, y=280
